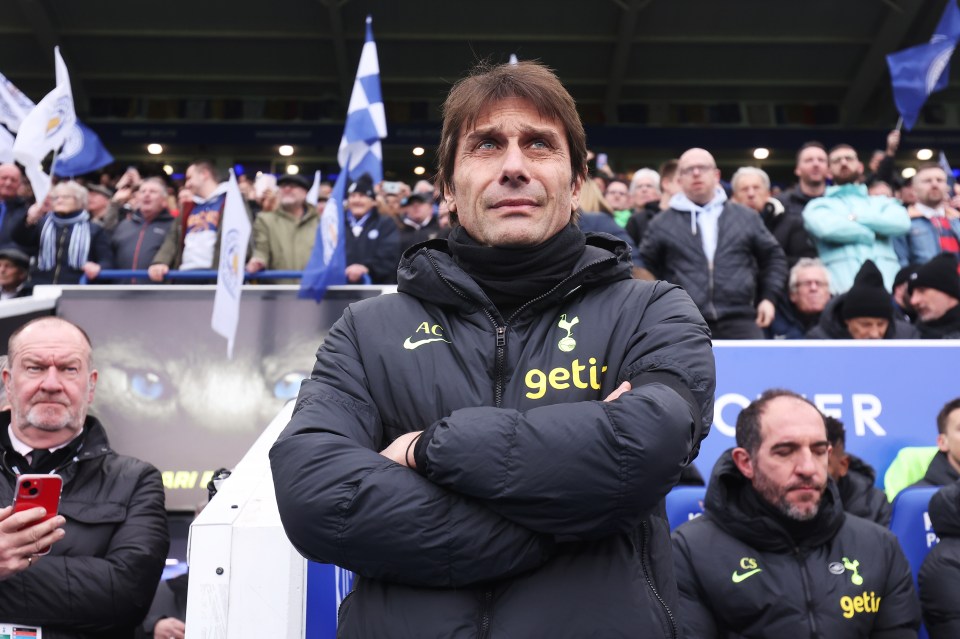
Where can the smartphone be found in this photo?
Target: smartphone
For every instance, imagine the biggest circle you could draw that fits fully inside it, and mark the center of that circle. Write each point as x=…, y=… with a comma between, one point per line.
x=601, y=160
x=391, y=188
x=38, y=490
x=263, y=183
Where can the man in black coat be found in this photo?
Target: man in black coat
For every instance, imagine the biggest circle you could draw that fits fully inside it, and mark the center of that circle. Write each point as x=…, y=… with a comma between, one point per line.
x=935, y=296
x=109, y=542
x=373, y=240
x=939, y=578
x=775, y=555
x=945, y=467
x=489, y=448
x=855, y=478
x=13, y=208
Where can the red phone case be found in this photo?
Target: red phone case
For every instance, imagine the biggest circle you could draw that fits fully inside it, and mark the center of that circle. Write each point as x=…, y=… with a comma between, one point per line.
x=38, y=490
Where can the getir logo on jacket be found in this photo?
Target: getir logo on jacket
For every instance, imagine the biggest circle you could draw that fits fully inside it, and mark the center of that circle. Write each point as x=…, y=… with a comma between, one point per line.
x=867, y=602
x=560, y=378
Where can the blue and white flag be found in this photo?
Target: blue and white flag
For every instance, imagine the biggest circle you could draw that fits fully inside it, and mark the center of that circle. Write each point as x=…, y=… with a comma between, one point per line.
x=313, y=195
x=919, y=71
x=82, y=152
x=945, y=165
x=328, y=261
x=234, y=238
x=45, y=129
x=6, y=146
x=366, y=125
x=14, y=105
x=359, y=153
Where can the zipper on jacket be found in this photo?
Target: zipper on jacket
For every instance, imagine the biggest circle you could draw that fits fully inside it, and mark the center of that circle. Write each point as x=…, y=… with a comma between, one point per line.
x=485, y=615
x=814, y=632
x=653, y=588
x=710, y=304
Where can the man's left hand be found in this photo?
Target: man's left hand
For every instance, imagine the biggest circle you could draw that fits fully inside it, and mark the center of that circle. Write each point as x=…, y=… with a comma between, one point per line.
x=91, y=270
x=765, y=313
x=401, y=450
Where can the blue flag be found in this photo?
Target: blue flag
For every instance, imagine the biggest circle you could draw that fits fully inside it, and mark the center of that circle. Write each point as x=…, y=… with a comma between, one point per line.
x=82, y=152
x=328, y=261
x=360, y=152
x=919, y=71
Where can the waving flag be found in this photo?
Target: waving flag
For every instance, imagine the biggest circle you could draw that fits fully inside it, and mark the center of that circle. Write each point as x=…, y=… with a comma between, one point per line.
x=359, y=153
x=233, y=257
x=45, y=129
x=313, y=195
x=14, y=105
x=82, y=152
x=360, y=150
x=919, y=71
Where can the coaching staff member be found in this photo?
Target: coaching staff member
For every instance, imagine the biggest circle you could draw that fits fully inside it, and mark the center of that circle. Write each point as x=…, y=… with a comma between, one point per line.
x=532, y=404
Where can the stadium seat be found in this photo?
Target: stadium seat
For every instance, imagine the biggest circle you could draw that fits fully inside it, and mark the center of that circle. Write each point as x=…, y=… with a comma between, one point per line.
x=911, y=525
x=684, y=503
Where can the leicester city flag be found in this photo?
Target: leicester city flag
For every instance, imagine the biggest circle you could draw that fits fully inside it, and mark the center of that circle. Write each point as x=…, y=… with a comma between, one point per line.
x=359, y=153
x=919, y=71
x=82, y=152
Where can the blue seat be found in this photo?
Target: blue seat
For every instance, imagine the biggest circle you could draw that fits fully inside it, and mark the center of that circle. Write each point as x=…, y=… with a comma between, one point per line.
x=684, y=503
x=911, y=524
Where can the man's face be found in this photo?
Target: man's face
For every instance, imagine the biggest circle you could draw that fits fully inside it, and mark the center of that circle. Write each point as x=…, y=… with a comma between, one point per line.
x=930, y=186
x=867, y=327
x=153, y=198
x=11, y=275
x=789, y=469
x=618, y=196
x=97, y=202
x=838, y=461
x=812, y=166
x=931, y=304
x=812, y=290
x=751, y=191
x=949, y=441
x=420, y=212
x=49, y=383
x=512, y=182
x=699, y=175
x=645, y=190
x=845, y=168
x=359, y=204
x=199, y=180
x=292, y=196
x=9, y=182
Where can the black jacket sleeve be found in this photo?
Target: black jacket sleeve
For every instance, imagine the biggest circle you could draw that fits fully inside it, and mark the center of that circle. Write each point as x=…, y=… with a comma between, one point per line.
x=93, y=595
x=694, y=614
x=383, y=263
x=939, y=581
x=589, y=469
x=342, y=502
x=772, y=262
x=899, y=616
x=100, y=250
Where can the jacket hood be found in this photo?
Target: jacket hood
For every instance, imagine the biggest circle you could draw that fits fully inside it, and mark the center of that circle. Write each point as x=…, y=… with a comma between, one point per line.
x=427, y=271
x=734, y=506
x=945, y=511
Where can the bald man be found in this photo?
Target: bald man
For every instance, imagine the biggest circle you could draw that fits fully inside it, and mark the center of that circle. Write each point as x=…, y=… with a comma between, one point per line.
x=718, y=251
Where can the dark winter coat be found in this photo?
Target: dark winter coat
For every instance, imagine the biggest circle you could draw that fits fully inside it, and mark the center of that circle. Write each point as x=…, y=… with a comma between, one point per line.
x=62, y=273
x=377, y=247
x=860, y=495
x=135, y=241
x=788, y=230
x=536, y=507
x=832, y=326
x=99, y=580
x=945, y=327
x=939, y=577
x=939, y=472
x=748, y=266
x=742, y=574
x=789, y=323
x=14, y=212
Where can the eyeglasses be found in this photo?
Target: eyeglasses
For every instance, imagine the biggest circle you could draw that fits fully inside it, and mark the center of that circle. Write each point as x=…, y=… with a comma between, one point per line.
x=697, y=168
x=810, y=284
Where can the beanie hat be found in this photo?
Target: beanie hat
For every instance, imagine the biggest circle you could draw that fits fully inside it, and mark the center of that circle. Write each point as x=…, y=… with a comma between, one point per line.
x=867, y=297
x=940, y=273
x=362, y=185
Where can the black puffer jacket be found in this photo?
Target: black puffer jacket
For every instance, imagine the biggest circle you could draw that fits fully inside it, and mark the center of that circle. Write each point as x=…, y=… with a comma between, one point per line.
x=99, y=580
x=832, y=326
x=742, y=574
x=536, y=508
x=939, y=577
x=749, y=264
x=860, y=495
x=939, y=473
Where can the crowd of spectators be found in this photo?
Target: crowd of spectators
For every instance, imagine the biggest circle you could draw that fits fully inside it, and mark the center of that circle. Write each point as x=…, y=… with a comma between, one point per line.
x=846, y=252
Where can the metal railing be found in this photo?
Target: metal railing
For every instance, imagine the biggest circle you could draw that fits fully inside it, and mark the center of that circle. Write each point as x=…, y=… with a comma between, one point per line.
x=123, y=276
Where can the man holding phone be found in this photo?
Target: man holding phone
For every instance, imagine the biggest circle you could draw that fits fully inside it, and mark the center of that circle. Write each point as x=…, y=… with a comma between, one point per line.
x=109, y=542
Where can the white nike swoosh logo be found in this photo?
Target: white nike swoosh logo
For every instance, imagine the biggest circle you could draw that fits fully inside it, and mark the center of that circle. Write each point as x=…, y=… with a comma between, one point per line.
x=407, y=344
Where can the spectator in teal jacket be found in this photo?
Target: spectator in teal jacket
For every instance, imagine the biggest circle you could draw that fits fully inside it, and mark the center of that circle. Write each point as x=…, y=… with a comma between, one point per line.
x=851, y=227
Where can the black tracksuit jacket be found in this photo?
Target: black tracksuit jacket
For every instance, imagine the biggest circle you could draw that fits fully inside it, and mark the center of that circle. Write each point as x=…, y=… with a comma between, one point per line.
x=741, y=574
x=939, y=577
x=536, y=508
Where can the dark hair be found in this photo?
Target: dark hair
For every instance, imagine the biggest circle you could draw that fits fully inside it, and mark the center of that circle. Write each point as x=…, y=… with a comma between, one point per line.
x=488, y=84
x=924, y=166
x=748, y=421
x=208, y=165
x=812, y=144
x=842, y=146
x=668, y=169
x=944, y=413
x=836, y=434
